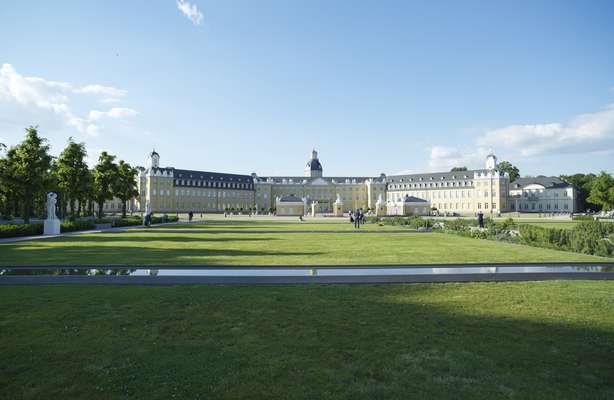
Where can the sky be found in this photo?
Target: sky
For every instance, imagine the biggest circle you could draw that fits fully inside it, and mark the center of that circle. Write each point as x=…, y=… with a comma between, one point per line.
x=375, y=86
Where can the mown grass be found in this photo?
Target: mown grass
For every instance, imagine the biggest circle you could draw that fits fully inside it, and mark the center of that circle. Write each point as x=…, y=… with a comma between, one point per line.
x=532, y=340
x=243, y=243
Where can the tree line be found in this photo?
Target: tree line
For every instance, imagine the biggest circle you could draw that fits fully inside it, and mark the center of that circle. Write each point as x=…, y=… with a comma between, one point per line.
x=28, y=172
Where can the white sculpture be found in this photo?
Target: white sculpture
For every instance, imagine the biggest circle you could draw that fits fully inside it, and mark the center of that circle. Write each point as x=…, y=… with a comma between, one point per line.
x=338, y=201
x=52, y=223
x=51, y=202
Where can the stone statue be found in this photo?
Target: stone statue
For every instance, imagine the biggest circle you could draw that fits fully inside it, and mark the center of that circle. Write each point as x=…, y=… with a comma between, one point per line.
x=338, y=200
x=52, y=223
x=51, y=202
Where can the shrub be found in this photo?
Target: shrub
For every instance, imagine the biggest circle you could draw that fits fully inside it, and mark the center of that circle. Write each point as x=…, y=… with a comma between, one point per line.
x=582, y=218
x=419, y=222
x=127, y=222
x=73, y=226
x=7, y=231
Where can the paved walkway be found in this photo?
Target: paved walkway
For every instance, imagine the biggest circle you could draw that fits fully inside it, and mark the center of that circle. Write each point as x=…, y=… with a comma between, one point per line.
x=39, y=237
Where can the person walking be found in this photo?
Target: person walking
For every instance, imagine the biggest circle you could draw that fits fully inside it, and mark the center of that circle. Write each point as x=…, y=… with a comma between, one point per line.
x=190, y=216
x=481, y=219
x=357, y=219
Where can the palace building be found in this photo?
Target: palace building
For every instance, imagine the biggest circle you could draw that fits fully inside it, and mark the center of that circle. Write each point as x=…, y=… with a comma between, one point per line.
x=462, y=192
x=168, y=189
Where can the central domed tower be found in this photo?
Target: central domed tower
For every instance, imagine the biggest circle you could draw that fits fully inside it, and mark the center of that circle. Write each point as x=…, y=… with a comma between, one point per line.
x=313, y=168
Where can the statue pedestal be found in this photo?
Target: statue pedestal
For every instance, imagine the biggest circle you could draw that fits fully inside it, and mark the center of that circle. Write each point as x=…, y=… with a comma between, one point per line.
x=52, y=227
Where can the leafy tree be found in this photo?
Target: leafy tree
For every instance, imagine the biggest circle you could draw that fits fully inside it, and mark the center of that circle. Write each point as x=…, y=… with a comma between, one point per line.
x=602, y=191
x=513, y=172
x=125, y=185
x=72, y=173
x=583, y=184
x=86, y=197
x=28, y=171
x=458, y=169
x=105, y=176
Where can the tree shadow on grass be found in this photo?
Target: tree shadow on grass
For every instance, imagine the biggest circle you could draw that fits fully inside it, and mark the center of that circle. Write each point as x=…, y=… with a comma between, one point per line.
x=177, y=239
x=96, y=255
x=301, y=342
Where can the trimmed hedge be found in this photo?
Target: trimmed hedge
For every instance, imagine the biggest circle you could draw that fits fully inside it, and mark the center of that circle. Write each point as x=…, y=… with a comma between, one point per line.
x=74, y=226
x=127, y=222
x=7, y=231
x=588, y=237
x=412, y=222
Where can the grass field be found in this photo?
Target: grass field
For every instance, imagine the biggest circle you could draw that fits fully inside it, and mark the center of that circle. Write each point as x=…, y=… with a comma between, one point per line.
x=534, y=340
x=245, y=243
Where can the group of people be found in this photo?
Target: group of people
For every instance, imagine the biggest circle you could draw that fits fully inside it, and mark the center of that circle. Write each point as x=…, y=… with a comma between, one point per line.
x=357, y=217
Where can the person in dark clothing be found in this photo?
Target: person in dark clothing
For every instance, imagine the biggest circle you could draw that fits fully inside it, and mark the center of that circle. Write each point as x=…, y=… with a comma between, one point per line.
x=190, y=216
x=481, y=219
x=357, y=219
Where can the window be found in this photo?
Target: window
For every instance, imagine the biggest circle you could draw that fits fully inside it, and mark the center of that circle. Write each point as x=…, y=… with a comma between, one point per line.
x=494, y=206
x=479, y=206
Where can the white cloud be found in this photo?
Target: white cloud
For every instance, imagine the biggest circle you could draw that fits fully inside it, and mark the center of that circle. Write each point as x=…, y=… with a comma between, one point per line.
x=444, y=158
x=101, y=90
x=115, y=112
x=191, y=11
x=584, y=133
x=29, y=94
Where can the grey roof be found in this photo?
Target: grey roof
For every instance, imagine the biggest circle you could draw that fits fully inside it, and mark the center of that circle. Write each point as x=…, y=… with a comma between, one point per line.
x=211, y=176
x=549, y=182
x=299, y=179
x=290, y=199
x=434, y=176
x=314, y=165
x=412, y=199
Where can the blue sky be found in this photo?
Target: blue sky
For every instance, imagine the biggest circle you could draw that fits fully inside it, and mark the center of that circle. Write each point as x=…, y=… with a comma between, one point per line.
x=375, y=86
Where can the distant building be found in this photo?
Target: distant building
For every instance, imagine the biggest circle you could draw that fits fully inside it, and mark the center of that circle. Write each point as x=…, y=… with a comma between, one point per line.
x=169, y=189
x=544, y=194
x=462, y=193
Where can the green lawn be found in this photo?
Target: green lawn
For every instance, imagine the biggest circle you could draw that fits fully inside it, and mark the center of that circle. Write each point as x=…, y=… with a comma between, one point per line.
x=244, y=243
x=531, y=340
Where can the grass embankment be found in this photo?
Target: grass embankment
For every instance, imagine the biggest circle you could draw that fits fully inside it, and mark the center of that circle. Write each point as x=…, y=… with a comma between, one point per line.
x=539, y=340
x=240, y=243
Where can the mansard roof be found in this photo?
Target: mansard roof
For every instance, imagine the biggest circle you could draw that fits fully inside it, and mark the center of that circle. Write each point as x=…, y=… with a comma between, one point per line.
x=548, y=182
x=290, y=199
x=211, y=176
x=412, y=199
x=436, y=176
x=328, y=179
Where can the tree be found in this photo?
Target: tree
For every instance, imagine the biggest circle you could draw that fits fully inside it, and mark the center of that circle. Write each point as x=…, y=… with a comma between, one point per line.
x=72, y=173
x=602, y=191
x=583, y=184
x=105, y=177
x=28, y=168
x=512, y=171
x=125, y=185
x=458, y=169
